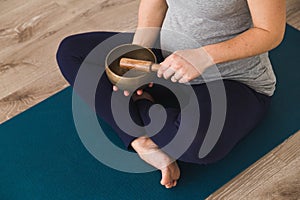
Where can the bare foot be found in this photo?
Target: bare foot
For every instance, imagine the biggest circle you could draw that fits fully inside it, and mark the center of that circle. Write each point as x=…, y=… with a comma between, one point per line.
x=151, y=154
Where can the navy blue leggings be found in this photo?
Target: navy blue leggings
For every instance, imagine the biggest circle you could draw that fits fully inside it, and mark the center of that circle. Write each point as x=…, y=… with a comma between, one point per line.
x=245, y=107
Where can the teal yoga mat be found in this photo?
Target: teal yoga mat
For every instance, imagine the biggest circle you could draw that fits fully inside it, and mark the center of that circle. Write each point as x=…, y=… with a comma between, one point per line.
x=42, y=157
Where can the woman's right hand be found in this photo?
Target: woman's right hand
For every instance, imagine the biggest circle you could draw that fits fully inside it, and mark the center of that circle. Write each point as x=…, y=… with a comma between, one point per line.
x=127, y=93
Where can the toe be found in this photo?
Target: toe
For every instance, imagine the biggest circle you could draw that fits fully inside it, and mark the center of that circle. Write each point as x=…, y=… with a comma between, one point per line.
x=163, y=182
x=169, y=185
x=174, y=183
x=166, y=177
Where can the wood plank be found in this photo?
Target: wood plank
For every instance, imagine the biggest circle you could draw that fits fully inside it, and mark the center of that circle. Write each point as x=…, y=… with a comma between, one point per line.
x=15, y=29
x=283, y=185
x=289, y=150
x=30, y=95
x=293, y=13
x=103, y=13
x=261, y=180
x=250, y=179
x=9, y=5
x=40, y=16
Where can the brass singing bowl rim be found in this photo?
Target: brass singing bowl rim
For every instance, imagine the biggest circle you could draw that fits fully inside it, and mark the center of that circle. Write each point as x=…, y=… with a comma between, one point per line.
x=122, y=46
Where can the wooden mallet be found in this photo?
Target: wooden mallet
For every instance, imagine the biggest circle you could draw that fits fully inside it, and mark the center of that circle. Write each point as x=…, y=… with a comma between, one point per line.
x=140, y=65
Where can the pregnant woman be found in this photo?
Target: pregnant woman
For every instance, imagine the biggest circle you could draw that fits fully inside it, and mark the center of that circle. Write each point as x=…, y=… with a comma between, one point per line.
x=234, y=35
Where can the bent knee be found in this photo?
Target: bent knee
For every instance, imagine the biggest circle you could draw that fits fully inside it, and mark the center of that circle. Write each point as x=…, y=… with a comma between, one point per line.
x=68, y=57
x=65, y=48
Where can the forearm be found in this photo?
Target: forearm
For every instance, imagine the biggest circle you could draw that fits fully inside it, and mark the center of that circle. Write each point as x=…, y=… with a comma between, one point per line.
x=269, y=18
x=150, y=19
x=152, y=13
x=250, y=43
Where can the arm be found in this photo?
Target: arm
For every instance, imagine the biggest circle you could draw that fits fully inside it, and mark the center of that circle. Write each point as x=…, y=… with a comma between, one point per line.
x=150, y=18
x=268, y=18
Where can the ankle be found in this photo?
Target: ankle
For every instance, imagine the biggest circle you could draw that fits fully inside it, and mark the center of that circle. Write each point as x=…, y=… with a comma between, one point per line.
x=143, y=144
x=139, y=142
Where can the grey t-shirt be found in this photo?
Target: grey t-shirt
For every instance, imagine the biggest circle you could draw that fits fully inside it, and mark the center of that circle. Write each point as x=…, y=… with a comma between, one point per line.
x=195, y=23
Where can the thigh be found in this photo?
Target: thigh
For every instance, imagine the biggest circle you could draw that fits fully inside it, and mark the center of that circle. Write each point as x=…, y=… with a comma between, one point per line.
x=245, y=109
x=74, y=51
x=75, y=48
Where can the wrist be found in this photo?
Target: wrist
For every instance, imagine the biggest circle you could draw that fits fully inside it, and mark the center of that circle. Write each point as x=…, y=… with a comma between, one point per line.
x=146, y=36
x=205, y=58
x=212, y=54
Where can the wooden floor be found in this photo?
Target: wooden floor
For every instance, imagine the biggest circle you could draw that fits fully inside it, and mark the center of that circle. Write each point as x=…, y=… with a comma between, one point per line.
x=276, y=176
x=30, y=31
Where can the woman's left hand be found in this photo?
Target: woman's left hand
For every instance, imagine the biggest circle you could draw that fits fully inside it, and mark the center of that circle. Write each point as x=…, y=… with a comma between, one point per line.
x=185, y=65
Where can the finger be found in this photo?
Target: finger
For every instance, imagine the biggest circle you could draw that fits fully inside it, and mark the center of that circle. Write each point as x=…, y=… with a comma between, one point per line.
x=151, y=84
x=115, y=88
x=173, y=79
x=183, y=80
x=126, y=93
x=164, y=66
x=161, y=70
x=168, y=73
x=139, y=92
x=177, y=76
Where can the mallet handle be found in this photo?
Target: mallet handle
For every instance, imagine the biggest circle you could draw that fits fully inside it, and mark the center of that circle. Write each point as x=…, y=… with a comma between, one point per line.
x=141, y=65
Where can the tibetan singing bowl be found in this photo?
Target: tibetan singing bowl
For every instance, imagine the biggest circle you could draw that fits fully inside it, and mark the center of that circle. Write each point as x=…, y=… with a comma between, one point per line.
x=126, y=79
